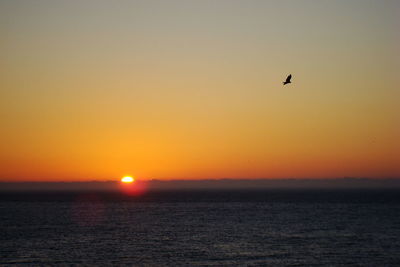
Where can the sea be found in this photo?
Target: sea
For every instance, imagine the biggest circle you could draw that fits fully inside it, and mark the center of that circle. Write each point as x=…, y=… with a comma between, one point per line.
x=201, y=228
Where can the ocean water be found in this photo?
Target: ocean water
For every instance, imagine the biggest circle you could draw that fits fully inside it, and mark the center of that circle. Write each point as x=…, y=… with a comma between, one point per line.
x=263, y=228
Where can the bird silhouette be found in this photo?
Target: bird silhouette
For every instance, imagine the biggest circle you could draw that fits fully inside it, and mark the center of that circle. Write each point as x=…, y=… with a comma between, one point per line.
x=288, y=79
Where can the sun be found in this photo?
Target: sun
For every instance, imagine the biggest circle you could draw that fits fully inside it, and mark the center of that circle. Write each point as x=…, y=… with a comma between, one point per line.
x=127, y=179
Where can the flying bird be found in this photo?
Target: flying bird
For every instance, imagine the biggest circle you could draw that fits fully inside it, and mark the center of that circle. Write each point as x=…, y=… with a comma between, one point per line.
x=288, y=79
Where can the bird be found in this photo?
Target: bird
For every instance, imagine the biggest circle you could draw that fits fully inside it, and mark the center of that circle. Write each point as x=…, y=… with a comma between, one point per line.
x=288, y=79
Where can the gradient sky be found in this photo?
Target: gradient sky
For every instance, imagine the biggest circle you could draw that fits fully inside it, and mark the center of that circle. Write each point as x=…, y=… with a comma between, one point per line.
x=94, y=90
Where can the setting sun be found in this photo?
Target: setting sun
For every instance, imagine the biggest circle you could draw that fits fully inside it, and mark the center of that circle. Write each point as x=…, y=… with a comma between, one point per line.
x=127, y=179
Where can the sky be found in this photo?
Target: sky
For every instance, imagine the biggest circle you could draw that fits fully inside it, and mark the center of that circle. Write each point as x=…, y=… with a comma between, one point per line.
x=95, y=90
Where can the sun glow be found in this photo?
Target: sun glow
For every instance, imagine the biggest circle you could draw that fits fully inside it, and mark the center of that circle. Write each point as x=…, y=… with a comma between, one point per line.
x=127, y=179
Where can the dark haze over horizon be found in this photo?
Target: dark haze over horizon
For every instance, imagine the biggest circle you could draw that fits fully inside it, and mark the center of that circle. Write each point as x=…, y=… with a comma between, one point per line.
x=217, y=184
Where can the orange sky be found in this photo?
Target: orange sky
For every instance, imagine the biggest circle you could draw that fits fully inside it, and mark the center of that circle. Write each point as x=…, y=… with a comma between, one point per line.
x=193, y=89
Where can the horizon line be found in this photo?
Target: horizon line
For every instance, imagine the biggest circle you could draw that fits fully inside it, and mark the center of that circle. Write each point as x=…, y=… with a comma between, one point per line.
x=204, y=179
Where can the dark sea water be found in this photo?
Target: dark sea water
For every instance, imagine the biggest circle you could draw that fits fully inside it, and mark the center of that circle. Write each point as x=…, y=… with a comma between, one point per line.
x=258, y=228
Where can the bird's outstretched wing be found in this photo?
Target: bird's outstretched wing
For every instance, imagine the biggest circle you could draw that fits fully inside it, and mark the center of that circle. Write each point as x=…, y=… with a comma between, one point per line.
x=288, y=78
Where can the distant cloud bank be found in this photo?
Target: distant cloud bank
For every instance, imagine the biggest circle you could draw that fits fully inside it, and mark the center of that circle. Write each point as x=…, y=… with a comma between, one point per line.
x=208, y=184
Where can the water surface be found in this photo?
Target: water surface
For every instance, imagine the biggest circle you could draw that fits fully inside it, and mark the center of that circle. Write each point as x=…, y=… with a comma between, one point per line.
x=275, y=228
